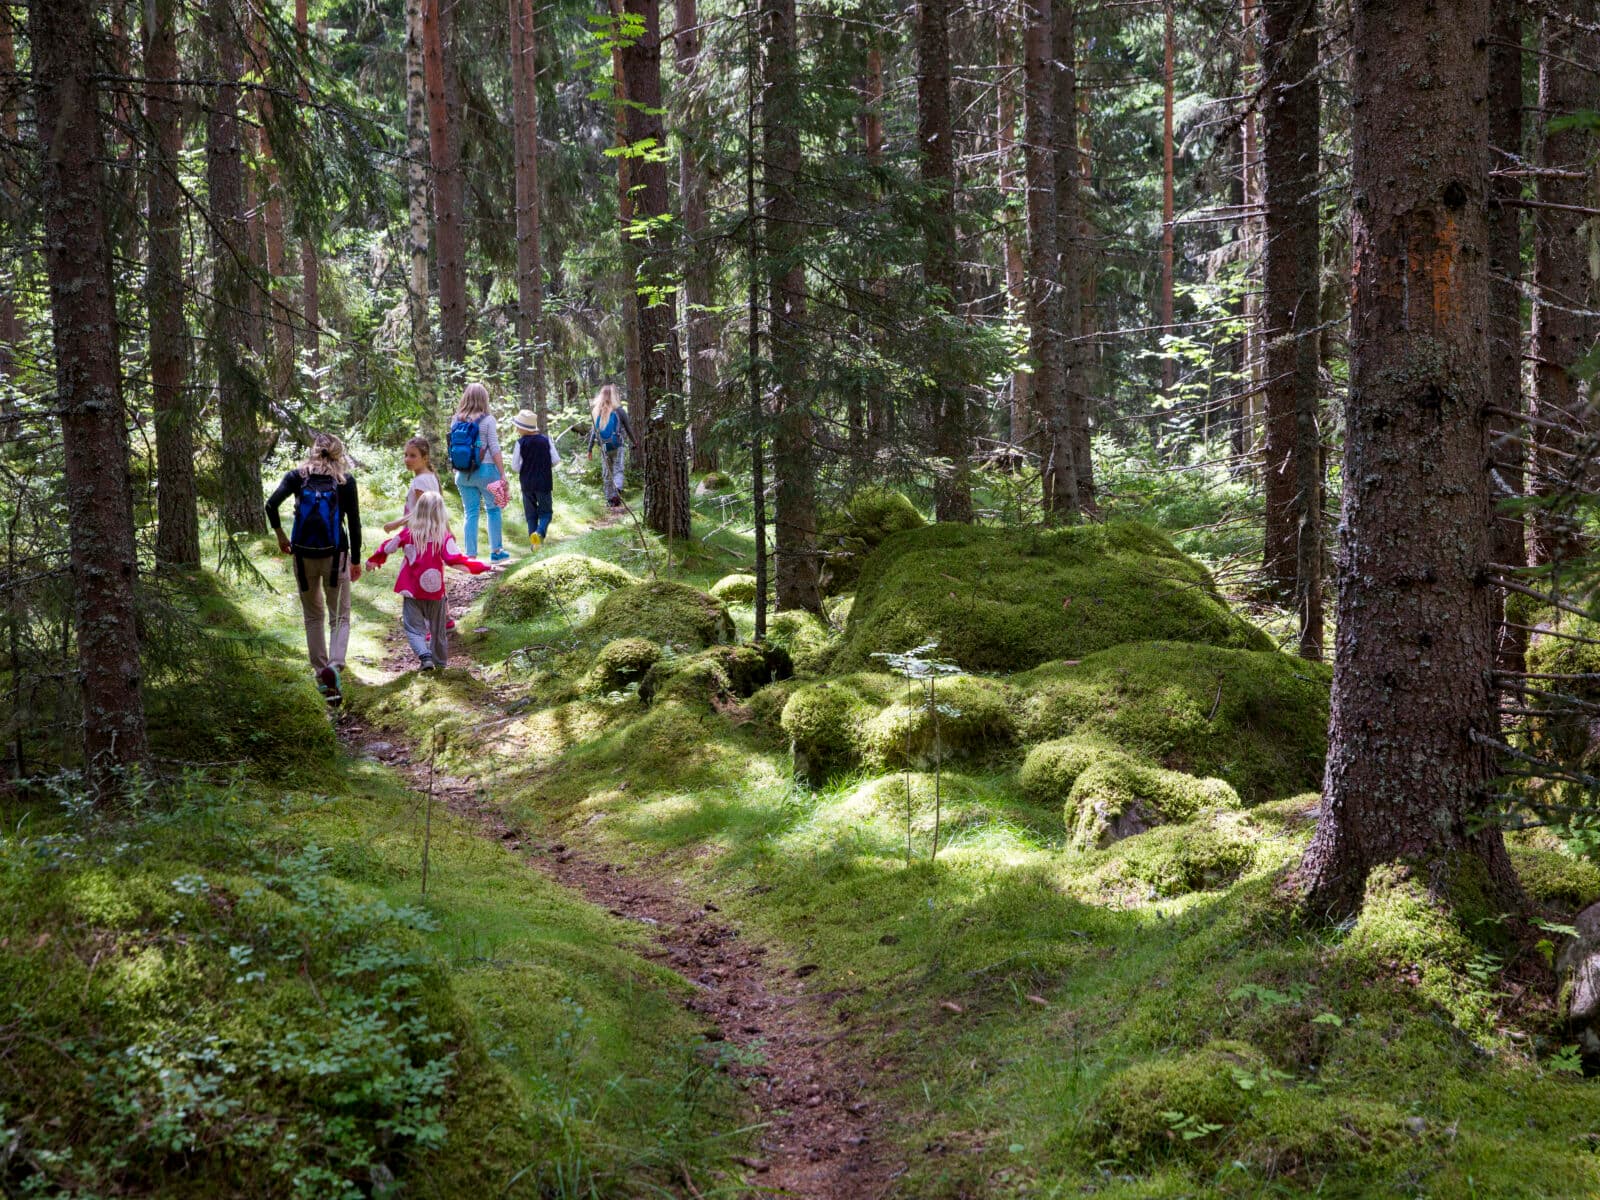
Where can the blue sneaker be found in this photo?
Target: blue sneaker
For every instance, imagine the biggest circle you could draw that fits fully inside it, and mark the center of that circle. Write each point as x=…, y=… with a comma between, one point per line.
x=500, y=556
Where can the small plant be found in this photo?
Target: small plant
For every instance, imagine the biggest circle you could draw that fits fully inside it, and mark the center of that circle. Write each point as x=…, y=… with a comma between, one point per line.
x=1188, y=1126
x=915, y=666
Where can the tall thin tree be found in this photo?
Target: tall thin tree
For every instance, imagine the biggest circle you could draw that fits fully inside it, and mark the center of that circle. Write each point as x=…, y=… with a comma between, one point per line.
x=1005, y=34
x=449, y=181
x=10, y=325
x=699, y=266
x=530, y=264
x=310, y=265
x=1069, y=407
x=418, y=160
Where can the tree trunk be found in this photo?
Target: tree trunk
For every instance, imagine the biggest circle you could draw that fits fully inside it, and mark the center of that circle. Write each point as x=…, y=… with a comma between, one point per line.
x=1407, y=773
x=230, y=248
x=417, y=163
x=792, y=451
x=310, y=267
x=1505, y=304
x=1169, y=365
x=530, y=267
x=99, y=496
x=1291, y=307
x=632, y=370
x=698, y=324
x=666, y=463
x=279, y=316
x=449, y=187
x=1045, y=327
x=1250, y=230
x=1069, y=415
x=757, y=414
x=10, y=325
x=177, y=519
x=1021, y=422
x=1561, y=331
x=946, y=402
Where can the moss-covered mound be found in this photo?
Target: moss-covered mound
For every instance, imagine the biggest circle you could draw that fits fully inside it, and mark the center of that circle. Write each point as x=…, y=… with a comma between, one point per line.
x=720, y=675
x=1175, y=1105
x=1007, y=600
x=847, y=534
x=1201, y=855
x=258, y=709
x=673, y=614
x=551, y=582
x=810, y=643
x=1555, y=878
x=620, y=663
x=880, y=721
x=735, y=589
x=1255, y=718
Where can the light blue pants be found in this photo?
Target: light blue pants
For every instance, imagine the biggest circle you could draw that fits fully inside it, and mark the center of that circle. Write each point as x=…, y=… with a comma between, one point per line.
x=473, y=496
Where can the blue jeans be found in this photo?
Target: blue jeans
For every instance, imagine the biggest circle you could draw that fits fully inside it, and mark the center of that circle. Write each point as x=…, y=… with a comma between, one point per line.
x=538, y=508
x=473, y=496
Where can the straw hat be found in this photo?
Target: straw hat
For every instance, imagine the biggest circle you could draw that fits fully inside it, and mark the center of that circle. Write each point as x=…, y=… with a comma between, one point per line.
x=526, y=421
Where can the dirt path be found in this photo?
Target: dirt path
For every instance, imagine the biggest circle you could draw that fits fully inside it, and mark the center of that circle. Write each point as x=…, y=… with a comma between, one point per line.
x=822, y=1138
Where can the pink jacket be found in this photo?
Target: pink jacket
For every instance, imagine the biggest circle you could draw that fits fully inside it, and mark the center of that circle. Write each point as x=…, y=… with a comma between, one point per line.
x=422, y=575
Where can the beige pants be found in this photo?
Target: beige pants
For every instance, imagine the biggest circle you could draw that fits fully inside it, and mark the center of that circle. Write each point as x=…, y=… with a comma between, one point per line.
x=325, y=601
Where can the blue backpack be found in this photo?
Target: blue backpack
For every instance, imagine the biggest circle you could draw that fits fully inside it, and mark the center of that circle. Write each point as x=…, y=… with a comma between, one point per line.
x=611, y=434
x=464, y=445
x=316, y=517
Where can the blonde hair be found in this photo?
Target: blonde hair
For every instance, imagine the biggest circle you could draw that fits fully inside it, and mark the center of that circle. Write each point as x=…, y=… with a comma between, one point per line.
x=421, y=446
x=326, y=457
x=605, y=400
x=429, y=524
x=474, y=402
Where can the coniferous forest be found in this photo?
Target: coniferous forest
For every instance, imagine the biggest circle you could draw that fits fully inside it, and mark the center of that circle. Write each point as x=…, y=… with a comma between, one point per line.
x=969, y=599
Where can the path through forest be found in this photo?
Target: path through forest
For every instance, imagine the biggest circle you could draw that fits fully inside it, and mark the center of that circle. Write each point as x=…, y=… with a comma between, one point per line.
x=822, y=1136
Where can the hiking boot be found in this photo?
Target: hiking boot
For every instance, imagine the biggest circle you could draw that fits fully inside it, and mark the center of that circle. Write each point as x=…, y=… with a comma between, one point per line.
x=426, y=664
x=500, y=556
x=328, y=684
x=535, y=540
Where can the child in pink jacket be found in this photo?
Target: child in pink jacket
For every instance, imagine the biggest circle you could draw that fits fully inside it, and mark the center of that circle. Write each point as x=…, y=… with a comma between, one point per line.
x=428, y=547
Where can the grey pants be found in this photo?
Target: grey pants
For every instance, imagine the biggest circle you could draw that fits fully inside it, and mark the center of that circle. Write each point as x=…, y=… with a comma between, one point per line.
x=611, y=471
x=325, y=602
x=419, y=618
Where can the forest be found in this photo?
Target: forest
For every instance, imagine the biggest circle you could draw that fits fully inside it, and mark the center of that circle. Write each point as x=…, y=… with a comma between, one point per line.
x=812, y=598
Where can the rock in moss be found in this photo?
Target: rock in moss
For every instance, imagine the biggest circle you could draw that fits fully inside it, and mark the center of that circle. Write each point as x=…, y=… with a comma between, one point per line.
x=620, y=663
x=667, y=612
x=719, y=675
x=1180, y=1105
x=1556, y=879
x=1255, y=718
x=847, y=534
x=1052, y=768
x=767, y=705
x=1204, y=854
x=261, y=710
x=735, y=589
x=1117, y=796
x=1007, y=600
x=1561, y=731
x=546, y=584
x=810, y=643
x=826, y=721
x=712, y=481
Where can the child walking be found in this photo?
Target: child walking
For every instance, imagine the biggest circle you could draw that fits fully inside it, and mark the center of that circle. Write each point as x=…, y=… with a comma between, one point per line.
x=610, y=426
x=419, y=461
x=532, y=459
x=428, y=547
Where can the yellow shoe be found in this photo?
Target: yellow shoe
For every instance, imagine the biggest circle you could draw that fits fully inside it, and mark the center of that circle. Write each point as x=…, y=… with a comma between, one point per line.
x=534, y=540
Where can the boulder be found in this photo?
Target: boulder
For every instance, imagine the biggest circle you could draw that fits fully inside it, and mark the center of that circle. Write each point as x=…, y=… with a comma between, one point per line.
x=1578, y=973
x=665, y=612
x=550, y=583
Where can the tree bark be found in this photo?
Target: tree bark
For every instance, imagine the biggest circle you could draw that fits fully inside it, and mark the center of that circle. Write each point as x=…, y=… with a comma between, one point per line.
x=10, y=325
x=1561, y=331
x=449, y=187
x=631, y=367
x=1169, y=365
x=417, y=163
x=1250, y=228
x=792, y=449
x=1407, y=773
x=310, y=267
x=666, y=463
x=1291, y=307
x=230, y=248
x=1069, y=415
x=177, y=518
x=698, y=324
x=279, y=316
x=945, y=401
x=1021, y=422
x=530, y=267
x=99, y=496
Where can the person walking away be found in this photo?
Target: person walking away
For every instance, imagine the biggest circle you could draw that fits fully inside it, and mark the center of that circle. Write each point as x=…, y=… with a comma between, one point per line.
x=325, y=541
x=419, y=461
x=428, y=547
x=533, y=459
x=609, y=427
x=475, y=456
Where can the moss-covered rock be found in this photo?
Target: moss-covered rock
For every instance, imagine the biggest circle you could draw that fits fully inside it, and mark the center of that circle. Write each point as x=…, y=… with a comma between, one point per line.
x=1204, y=854
x=735, y=589
x=1563, y=732
x=825, y=722
x=620, y=663
x=847, y=534
x=713, y=481
x=1555, y=878
x=1117, y=796
x=1178, y=1105
x=549, y=583
x=810, y=643
x=719, y=675
x=1255, y=718
x=1007, y=600
x=767, y=704
x=258, y=709
x=1052, y=768
x=671, y=613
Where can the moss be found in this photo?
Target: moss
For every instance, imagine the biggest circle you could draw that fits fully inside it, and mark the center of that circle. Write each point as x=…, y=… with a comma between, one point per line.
x=847, y=534
x=1204, y=854
x=667, y=612
x=1257, y=719
x=714, y=481
x=825, y=721
x=1116, y=797
x=620, y=663
x=1051, y=768
x=1563, y=733
x=810, y=643
x=767, y=704
x=735, y=589
x=423, y=703
x=1007, y=600
x=1147, y=1108
x=550, y=583
x=1556, y=879
x=720, y=675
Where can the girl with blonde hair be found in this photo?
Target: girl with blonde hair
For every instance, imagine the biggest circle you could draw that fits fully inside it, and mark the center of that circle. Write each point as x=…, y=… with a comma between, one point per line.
x=428, y=547
x=325, y=541
x=609, y=427
x=480, y=468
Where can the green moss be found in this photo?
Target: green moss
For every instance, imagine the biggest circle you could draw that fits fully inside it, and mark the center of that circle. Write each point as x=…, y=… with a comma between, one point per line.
x=718, y=676
x=825, y=722
x=846, y=535
x=1051, y=768
x=1257, y=719
x=767, y=704
x=620, y=663
x=1116, y=797
x=1556, y=879
x=1146, y=1109
x=810, y=643
x=1007, y=600
x=735, y=589
x=1206, y=853
x=714, y=481
x=421, y=704
x=549, y=583
x=667, y=612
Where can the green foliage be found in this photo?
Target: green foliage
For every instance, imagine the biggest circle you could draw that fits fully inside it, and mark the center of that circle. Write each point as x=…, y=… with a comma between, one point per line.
x=1005, y=600
x=551, y=583
x=846, y=535
x=671, y=613
x=620, y=663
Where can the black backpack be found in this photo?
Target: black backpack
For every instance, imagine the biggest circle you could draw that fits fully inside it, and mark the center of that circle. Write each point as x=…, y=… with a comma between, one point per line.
x=316, y=517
